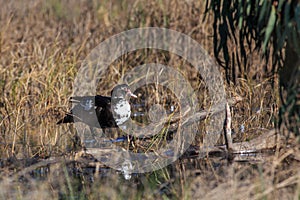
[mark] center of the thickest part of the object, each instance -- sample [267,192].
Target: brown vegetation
[42,45]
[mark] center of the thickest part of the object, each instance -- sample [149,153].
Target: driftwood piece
[267,140]
[227,129]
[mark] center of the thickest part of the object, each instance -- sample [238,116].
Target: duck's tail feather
[67,119]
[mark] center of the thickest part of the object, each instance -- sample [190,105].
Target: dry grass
[42,45]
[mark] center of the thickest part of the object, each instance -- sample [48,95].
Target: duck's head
[122,92]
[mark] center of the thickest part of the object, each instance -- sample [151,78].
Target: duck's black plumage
[101,111]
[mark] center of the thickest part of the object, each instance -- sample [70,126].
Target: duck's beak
[129,93]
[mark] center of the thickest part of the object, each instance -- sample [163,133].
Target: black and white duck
[101,111]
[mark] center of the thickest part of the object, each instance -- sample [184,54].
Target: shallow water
[189,176]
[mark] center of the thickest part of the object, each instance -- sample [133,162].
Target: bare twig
[227,129]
